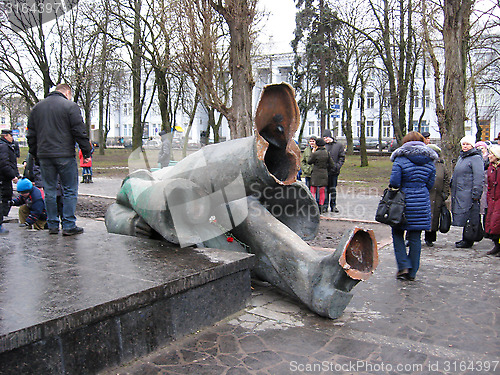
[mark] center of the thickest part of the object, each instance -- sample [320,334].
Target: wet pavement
[445,322]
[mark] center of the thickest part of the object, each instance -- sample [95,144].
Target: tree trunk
[455,37]
[362,120]
[239,15]
[137,129]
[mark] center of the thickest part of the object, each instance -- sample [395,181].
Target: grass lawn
[374,178]
[369,180]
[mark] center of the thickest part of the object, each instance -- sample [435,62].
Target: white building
[277,68]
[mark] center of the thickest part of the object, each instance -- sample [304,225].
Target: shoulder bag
[391,208]
[444,219]
[473,229]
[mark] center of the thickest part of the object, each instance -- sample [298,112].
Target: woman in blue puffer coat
[413,171]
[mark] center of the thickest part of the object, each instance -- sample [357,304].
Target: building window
[427,98]
[424,126]
[3,120]
[370,100]
[285,74]
[358,129]
[369,128]
[415,101]
[386,129]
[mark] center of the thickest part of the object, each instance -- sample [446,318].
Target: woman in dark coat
[466,185]
[321,161]
[438,195]
[413,172]
[492,224]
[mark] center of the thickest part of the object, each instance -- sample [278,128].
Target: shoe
[53,230]
[495,250]
[408,277]
[402,275]
[463,244]
[335,209]
[72,231]
[3,230]
[429,243]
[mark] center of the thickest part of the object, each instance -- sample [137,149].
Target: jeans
[67,170]
[410,260]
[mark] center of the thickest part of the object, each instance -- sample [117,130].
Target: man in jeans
[55,124]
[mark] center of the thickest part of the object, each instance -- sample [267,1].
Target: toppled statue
[242,195]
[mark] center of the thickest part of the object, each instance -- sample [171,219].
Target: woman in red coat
[492,225]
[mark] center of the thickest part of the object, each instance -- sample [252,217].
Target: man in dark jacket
[8,171]
[54,126]
[337,154]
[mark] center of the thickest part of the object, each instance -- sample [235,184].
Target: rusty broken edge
[278,100]
[359,257]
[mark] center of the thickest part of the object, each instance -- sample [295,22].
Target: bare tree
[239,16]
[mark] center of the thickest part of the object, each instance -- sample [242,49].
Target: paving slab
[445,322]
[93,300]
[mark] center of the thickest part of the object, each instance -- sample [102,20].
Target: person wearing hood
[413,172]
[466,185]
[337,154]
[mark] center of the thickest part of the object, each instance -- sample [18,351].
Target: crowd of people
[419,171]
[48,191]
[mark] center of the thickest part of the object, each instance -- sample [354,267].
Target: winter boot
[495,250]
[83,179]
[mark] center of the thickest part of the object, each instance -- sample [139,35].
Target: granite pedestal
[76,305]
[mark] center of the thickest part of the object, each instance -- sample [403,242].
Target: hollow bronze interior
[360,257]
[276,121]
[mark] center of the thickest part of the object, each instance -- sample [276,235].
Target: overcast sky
[277,31]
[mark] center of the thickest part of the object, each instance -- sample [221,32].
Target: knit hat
[481,144]
[435,148]
[24,185]
[327,133]
[320,142]
[495,150]
[468,139]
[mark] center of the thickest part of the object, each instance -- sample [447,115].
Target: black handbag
[473,229]
[444,219]
[391,208]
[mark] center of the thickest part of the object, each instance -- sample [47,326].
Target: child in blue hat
[32,212]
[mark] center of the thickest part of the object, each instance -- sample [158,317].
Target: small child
[86,167]
[32,206]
